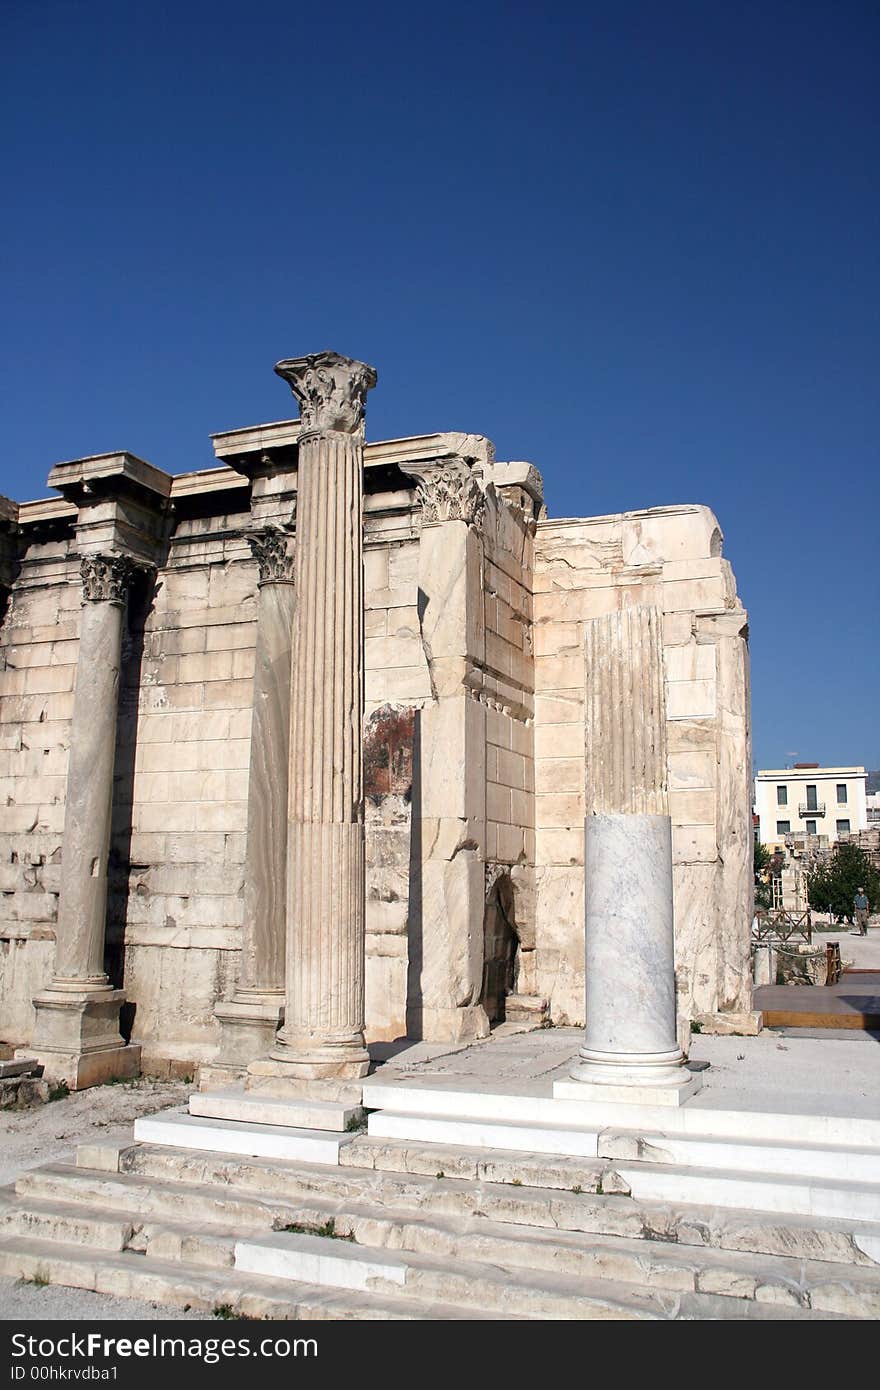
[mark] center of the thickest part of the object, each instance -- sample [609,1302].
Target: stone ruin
[297,750]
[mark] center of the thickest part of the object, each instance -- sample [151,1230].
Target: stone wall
[671,557]
[474,760]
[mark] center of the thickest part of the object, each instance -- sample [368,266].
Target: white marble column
[630,1050]
[76,1034]
[323,1033]
[248,1021]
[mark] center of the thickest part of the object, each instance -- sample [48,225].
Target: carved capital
[105,578]
[449,493]
[331,391]
[272,551]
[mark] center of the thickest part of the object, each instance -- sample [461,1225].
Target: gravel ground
[49,1134]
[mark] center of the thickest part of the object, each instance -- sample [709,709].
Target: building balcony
[811,811]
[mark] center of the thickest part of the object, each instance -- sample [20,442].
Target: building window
[843,827]
[841,793]
[782,796]
[811,827]
[783,827]
[812,800]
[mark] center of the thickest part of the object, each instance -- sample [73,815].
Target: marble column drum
[76,1035]
[630,1051]
[249,1020]
[323,1033]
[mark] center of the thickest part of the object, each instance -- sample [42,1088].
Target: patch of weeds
[328,1231]
[222,1310]
[37,1281]
[516,1182]
[356,1122]
[439,1175]
[696,1027]
[600,1189]
[59,1092]
[577,1189]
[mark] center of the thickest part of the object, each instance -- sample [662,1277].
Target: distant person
[860,903]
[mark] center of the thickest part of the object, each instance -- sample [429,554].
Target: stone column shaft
[446,950]
[630,1037]
[326,847]
[76,1035]
[263,940]
[82,906]
[323,1033]
[249,1020]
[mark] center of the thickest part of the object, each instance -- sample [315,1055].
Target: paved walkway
[853,1003]
[790,1075]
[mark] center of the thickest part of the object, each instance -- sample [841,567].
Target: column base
[77,1039]
[310,1058]
[269,1077]
[248,1024]
[658,1078]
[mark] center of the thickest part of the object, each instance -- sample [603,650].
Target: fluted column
[76,1034]
[630,1047]
[248,1021]
[323,1033]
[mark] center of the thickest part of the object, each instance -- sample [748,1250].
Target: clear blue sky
[636,243]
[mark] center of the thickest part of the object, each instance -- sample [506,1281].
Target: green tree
[763,861]
[833,884]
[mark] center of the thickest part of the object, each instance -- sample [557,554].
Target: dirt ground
[49,1134]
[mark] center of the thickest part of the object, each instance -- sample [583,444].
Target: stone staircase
[633,1224]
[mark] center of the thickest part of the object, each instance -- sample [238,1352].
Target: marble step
[670,1181]
[777,1194]
[516,1292]
[843,1164]
[699,1151]
[183,1131]
[484,1134]
[690,1219]
[154,1223]
[695,1118]
[166,1184]
[257,1108]
[131,1275]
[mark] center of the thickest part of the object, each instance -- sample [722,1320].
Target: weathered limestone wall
[669,557]
[37,672]
[181,777]
[508,542]
[474,741]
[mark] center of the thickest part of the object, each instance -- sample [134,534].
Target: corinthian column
[323,1033]
[76,1034]
[248,1021]
[630,1051]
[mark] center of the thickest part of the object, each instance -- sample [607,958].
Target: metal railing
[805,809]
[777,924]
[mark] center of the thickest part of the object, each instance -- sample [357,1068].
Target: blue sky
[635,243]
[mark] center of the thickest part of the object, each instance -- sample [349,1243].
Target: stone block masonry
[474,692]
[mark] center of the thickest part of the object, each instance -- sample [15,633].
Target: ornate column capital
[273,554]
[331,391]
[105,578]
[449,492]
